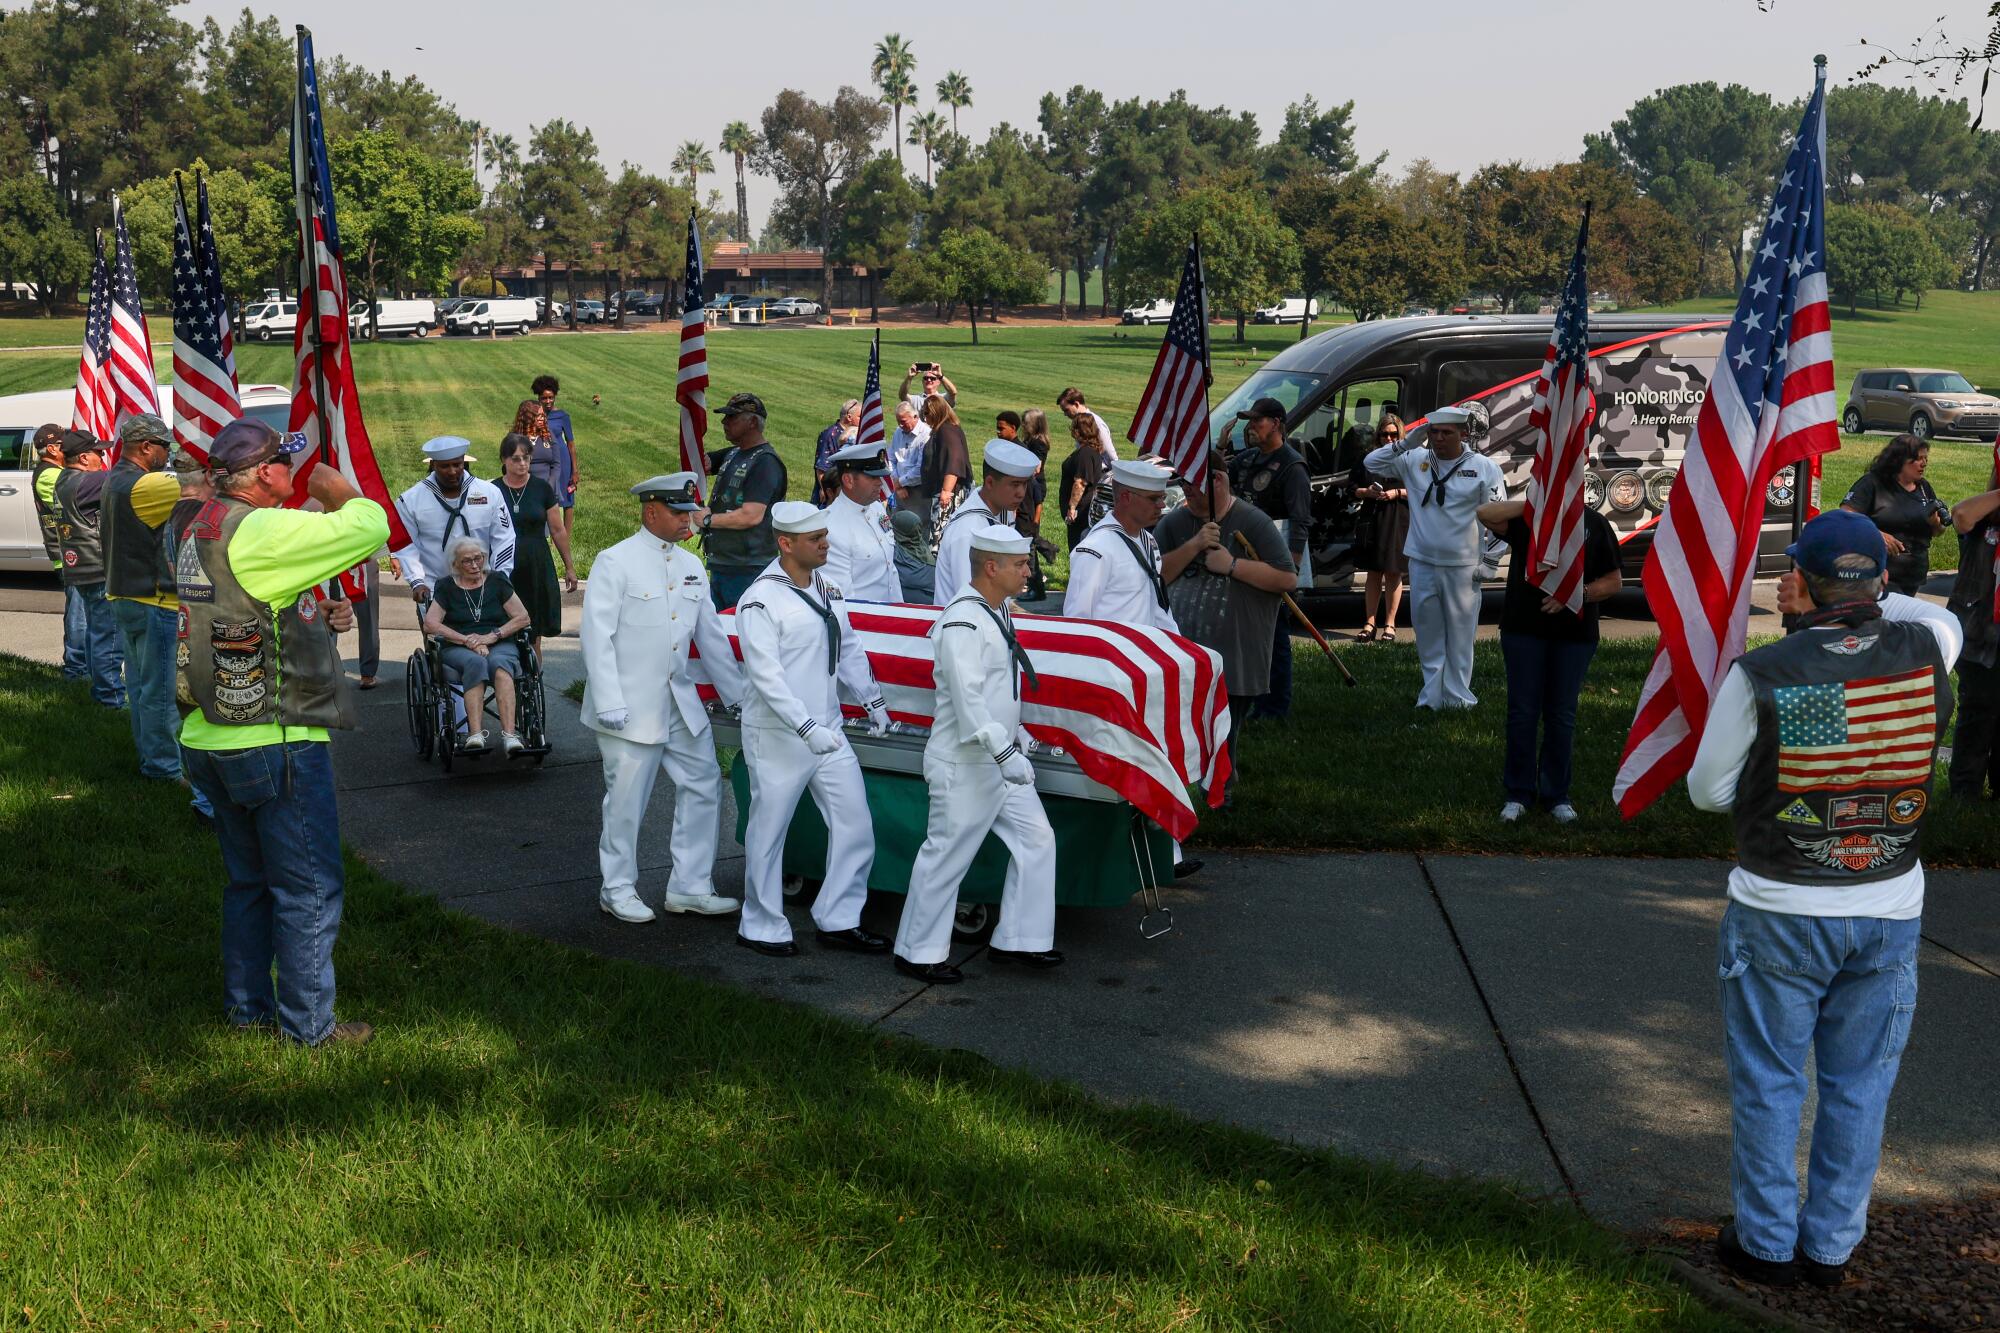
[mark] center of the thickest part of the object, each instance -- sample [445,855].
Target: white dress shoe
[626,907]
[1511,812]
[706,904]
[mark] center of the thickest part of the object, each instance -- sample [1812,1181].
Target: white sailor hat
[996,540]
[1141,474]
[1449,416]
[797,516]
[867,459]
[447,447]
[675,490]
[1010,459]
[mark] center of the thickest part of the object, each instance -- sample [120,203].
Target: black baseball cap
[76,442]
[246,442]
[740,403]
[1263,407]
[48,435]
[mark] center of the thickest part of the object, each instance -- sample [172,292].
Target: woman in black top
[531,500]
[1084,471]
[1379,538]
[1895,495]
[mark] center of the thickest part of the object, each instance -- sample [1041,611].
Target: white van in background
[1291,310]
[267,320]
[491,314]
[415,318]
[22,414]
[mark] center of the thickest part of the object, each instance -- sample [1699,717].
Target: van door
[1334,436]
[20,532]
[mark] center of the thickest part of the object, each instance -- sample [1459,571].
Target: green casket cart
[1107,853]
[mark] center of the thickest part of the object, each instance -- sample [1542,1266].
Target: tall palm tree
[503,155]
[926,132]
[476,134]
[955,91]
[740,141]
[693,159]
[894,70]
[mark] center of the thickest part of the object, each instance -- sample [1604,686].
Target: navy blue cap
[1837,533]
[246,442]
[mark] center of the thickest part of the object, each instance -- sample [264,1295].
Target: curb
[1728,1300]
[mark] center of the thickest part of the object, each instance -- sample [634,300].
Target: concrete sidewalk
[1548,1021]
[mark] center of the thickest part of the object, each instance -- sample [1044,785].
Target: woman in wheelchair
[475,617]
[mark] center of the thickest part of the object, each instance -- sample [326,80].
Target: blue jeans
[727,586]
[280,835]
[106,661]
[150,635]
[1544,678]
[1276,703]
[1844,988]
[76,637]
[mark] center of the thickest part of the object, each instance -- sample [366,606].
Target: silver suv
[1923,402]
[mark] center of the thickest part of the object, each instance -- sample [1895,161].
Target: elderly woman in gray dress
[475,616]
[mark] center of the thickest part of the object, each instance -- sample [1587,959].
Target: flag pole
[309,261]
[1207,375]
[1807,470]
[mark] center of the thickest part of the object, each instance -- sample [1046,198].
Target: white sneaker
[475,743]
[1564,813]
[511,743]
[703,904]
[1511,812]
[625,905]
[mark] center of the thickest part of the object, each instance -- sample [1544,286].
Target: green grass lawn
[1363,768]
[18,329]
[539,1138]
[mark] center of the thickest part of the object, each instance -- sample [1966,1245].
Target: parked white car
[1147,312]
[794,305]
[415,318]
[491,314]
[267,320]
[22,414]
[1291,310]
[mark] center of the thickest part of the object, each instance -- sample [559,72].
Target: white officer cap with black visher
[795,517]
[675,490]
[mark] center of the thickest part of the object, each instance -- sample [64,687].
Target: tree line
[119,94]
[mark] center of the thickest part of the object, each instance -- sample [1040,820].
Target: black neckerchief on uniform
[832,625]
[1440,474]
[452,515]
[1005,625]
[1152,575]
[1852,614]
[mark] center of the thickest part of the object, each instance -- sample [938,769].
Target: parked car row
[1926,403]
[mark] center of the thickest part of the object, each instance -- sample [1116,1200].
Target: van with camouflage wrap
[1650,374]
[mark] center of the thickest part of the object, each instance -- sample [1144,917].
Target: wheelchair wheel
[442,724]
[417,704]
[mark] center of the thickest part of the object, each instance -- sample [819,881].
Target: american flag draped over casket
[1143,712]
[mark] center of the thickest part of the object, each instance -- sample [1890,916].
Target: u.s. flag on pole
[205,392]
[691,383]
[1562,415]
[92,411]
[1172,420]
[128,364]
[871,431]
[325,405]
[1770,404]
[210,264]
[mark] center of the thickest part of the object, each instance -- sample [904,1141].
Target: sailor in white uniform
[646,600]
[861,544]
[980,780]
[450,503]
[1008,467]
[797,644]
[1447,483]
[1114,572]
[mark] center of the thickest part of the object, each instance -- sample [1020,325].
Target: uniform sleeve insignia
[1085,550]
[1856,852]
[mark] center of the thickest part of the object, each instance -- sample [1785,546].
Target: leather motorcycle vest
[134,564]
[78,531]
[737,548]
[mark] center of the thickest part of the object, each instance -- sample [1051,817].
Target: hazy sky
[1463,83]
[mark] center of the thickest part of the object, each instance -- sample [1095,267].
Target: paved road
[1548,1021]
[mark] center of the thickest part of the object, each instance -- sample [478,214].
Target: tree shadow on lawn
[645,1100]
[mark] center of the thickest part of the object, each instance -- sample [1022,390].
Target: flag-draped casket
[1143,712]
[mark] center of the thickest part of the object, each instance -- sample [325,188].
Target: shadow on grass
[606,1141]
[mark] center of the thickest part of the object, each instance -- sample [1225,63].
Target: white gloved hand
[878,720]
[1016,769]
[823,740]
[615,718]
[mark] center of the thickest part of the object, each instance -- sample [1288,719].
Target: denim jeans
[106,658]
[280,835]
[1845,989]
[1276,702]
[76,637]
[149,635]
[1544,678]
[727,586]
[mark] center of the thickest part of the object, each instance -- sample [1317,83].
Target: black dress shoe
[1748,1266]
[786,949]
[935,974]
[1187,869]
[853,939]
[1026,957]
[1817,1273]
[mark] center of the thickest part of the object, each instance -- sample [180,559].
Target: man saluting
[980,780]
[797,645]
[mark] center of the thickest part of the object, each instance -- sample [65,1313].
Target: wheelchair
[436,707]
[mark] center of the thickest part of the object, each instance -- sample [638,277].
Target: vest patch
[191,581]
[238,649]
[1908,807]
[1798,812]
[307,607]
[1858,852]
[1849,645]
[1851,812]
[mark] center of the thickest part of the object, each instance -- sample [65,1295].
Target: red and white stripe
[128,365]
[1704,554]
[205,399]
[91,411]
[871,429]
[1143,712]
[1562,415]
[1172,420]
[691,392]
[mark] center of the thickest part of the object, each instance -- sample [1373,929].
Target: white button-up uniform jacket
[954,556]
[1106,583]
[861,551]
[645,602]
[785,651]
[435,522]
[1445,530]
